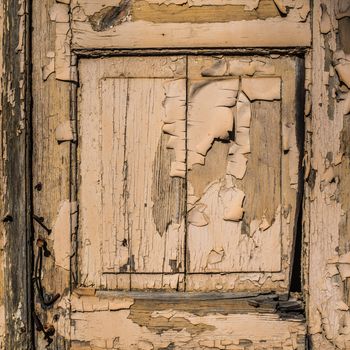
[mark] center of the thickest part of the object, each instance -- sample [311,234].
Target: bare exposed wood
[16,176]
[151,12]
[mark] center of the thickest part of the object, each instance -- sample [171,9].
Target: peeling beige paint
[237,162]
[93,321]
[343,68]
[197,216]
[250,67]
[262,88]
[61,232]
[64,132]
[58,13]
[171,328]
[329,260]
[210,116]
[65,67]
[233,201]
[122,245]
[175,124]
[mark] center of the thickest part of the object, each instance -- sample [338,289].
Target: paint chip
[210,116]
[267,89]
[281,7]
[197,216]
[343,70]
[237,162]
[61,235]
[64,132]
[218,69]
[175,123]
[264,225]
[59,14]
[215,256]
[233,203]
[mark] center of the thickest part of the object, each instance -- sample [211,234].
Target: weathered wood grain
[181,13]
[96,323]
[15,174]
[123,159]
[261,167]
[109,25]
[254,33]
[327,194]
[51,164]
[2,199]
[182,324]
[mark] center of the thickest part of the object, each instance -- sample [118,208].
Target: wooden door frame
[16,173]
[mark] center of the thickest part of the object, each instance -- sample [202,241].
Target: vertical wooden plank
[16,147]
[221,245]
[243,166]
[151,249]
[90,174]
[2,199]
[51,167]
[327,194]
[115,252]
[132,220]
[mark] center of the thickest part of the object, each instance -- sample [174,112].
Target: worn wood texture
[85,319]
[128,231]
[327,195]
[163,13]
[51,159]
[15,175]
[2,200]
[233,226]
[182,323]
[108,26]
[126,223]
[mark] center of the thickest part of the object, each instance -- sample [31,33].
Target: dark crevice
[296,278]
[296,273]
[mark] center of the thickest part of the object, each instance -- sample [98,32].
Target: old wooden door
[184,179]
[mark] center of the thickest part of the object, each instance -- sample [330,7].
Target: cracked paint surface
[93,322]
[205,141]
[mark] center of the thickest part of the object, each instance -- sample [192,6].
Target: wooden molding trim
[255,33]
